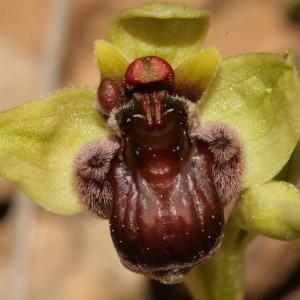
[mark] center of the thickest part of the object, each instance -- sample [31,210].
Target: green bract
[272,209]
[39,141]
[259,95]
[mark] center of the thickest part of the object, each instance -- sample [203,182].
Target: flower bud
[271,209]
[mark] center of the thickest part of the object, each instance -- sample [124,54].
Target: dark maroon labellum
[164,188]
[166,215]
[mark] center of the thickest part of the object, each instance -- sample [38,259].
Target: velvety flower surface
[170,137]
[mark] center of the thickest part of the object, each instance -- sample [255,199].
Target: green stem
[221,278]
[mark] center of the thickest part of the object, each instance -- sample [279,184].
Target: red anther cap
[146,70]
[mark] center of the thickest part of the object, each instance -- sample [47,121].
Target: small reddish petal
[146,70]
[228,157]
[95,196]
[94,159]
[91,167]
[110,95]
[228,179]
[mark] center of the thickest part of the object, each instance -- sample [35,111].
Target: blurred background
[45,45]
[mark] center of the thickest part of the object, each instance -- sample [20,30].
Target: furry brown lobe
[89,176]
[228,155]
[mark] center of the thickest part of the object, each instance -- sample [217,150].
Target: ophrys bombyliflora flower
[161,152]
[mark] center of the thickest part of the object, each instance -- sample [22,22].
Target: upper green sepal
[271,209]
[258,95]
[38,143]
[171,31]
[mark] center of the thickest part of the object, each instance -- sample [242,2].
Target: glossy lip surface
[161,227]
[166,215]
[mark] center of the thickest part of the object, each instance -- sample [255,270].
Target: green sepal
[271,209]
[39,141]
[171,31]
[258,95]
[111,62]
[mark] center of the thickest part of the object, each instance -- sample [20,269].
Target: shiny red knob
[110,95]
[149,69]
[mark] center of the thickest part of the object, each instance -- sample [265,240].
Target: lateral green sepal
[258,95]
[39,141]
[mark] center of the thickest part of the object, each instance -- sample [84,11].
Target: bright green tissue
[171,31]
[111,62]
[38,143]
[258,95]
[271,209]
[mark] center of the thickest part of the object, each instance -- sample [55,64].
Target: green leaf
[258,95]
[171,31]
[271,209]
[111,62]
[39,141]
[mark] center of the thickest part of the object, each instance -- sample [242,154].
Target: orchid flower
[172,134]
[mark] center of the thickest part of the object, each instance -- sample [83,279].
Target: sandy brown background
[72,258]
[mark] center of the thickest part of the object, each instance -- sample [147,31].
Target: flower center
[166,211]
[163,194]
[153,122]
[154,132]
